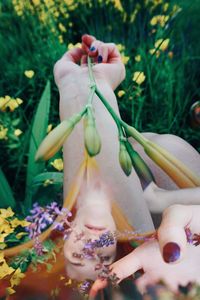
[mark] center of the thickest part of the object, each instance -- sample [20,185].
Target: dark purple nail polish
[100,58]
[92,48]
[171,252]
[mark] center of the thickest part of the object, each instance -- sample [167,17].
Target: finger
[97,286]
[171,233]
[74,55]
[87,41]
[144,281]
[83,60]
[127,265]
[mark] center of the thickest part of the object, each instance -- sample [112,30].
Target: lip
[95,228]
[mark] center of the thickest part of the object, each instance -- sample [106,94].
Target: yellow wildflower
[3,246]
[162,44]
[29,73]
[36,2]
[125,59]
[118,5]
[120,48]
[9,102]
[121,93]
[62,27]
[17,132]
[2,237]
[16,222]
[154,52]
[10,291]
[165,7]
[16,277]
[139,77]
[72,46]
[58,164]
[3,133]
[5,227]
[159,20]
[6,213]
[2,259]
[138,58]
[5,270]
[60,38]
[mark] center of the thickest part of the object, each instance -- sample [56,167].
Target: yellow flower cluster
[72,46]
[8,225]
[5,271]
[121,49]
[160,45]
[159,20]
[8,102]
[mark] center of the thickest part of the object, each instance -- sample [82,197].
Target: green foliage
[6,194]
[38,132]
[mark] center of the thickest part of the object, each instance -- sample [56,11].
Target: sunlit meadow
[159,44]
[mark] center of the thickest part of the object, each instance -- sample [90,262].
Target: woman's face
[88,247]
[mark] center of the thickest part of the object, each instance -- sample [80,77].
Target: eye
[105,258]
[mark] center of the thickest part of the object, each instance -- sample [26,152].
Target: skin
[72,82]
[93,203]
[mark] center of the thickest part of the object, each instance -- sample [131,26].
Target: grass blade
[6,195]
[38,132]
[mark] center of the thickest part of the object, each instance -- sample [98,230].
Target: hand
[170,258]
[109,66]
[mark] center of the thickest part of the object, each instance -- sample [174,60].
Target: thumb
[171,233]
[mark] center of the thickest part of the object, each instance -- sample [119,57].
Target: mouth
[95,228]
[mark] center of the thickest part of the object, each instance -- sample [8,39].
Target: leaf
[6,195]
[38,132]
[54,177]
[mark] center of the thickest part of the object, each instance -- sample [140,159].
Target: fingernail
[92,48]
[171,252]
[100,58]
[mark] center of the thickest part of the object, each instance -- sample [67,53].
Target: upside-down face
[90,244]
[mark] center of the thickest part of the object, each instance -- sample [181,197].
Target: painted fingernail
[100,58]
[92,48]
[171,252]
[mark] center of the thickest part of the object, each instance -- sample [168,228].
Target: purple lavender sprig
[42,217]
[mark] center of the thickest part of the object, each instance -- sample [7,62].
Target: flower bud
[91,136]
[180,174]
[144,173]
[124,159]
[56,138]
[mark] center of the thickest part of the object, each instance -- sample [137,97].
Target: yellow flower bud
[179,173]
[124,159]
[56,138]
[91,136]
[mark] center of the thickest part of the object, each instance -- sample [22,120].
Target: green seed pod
[91,136]
[56,138]
[124,159]
[144,173]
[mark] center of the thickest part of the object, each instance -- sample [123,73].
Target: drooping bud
[144,173]
[124,159]
[91,136]
[177,170]
[56,138]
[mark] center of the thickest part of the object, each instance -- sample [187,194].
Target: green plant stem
[120,124]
